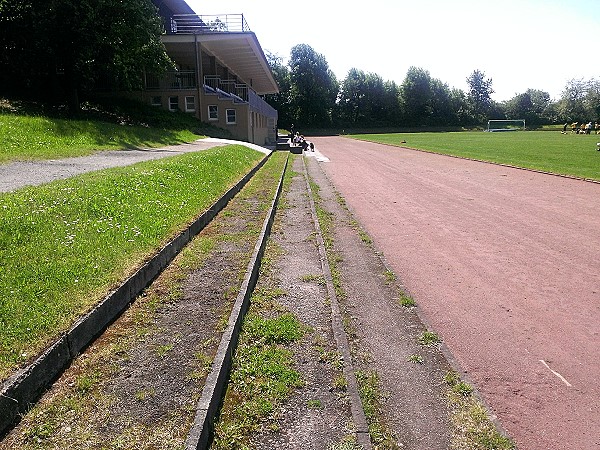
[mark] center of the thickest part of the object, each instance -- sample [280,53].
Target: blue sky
[539,44]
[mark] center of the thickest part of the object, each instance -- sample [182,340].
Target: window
[213,112]
[190,103]
[231,117]
[156,101]
[173,103]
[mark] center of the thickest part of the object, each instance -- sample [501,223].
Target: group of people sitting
[583,128]
[298,139]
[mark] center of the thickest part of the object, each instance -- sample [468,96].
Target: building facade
[221,73]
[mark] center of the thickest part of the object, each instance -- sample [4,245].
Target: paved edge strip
[213,392]
[443,347]
[358,415]
[24,388]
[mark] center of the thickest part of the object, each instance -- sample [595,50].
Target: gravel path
[504,263]
[19,174]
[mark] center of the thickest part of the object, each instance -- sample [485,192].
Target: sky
[519,44]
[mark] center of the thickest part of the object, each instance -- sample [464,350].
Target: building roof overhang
[238,51]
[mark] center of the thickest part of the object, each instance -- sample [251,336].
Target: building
[221,73]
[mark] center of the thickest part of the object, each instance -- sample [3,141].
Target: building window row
[190,106]
[173,102]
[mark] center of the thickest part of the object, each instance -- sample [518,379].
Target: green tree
[314,87]
[280,101]
[532,105]
[67,47]
[391,103]
[426,100]
[441,104]
[366,100]
[351,99]
[591,101]
[416,96]
[571,106]
[479,95]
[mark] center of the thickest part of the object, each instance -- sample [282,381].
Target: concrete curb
[207,407]
[23,389]
[358,415]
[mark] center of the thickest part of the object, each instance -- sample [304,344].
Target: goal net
[506,125]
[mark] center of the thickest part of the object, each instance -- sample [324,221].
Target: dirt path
[504,263]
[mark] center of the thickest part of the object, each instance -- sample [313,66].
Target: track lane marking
[555,373]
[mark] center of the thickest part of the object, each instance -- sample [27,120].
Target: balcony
[226,89]
[172,81]
[201,24]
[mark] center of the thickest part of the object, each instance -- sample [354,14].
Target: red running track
[505,266]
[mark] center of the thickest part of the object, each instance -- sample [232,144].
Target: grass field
[65,244]
[568,154]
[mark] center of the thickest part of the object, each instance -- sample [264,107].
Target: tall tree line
[311,96]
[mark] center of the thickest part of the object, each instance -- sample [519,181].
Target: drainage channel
[26,387]
[23,389]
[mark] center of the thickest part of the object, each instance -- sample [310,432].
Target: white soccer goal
[506,125]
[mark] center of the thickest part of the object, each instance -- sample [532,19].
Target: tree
[532,105]
[391,103]
[592,99]
[415,95]
[479,95]
[352,96]
[280,101]
[571,106]
[314,87]
[426,100]
[441,104]
[68,46]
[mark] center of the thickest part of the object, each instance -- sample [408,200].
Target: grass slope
[567,154]
[30,131]
[64,244]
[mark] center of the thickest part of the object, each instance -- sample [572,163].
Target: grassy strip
[370,396]
[79,412]
[368,382]
[473,429]
[65,244]
[262,375]
[568,154]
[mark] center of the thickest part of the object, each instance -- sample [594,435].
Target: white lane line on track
[555,373]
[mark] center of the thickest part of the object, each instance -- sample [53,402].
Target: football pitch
[548,151]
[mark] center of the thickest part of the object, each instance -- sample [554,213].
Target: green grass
[429,338]
[262,377]
[30,131]
[30,138]
[473,428]
[371,397]
[65,244]
[568,154]
[86,405]
[406,300]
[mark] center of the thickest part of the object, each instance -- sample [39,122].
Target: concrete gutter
[23,389]
[361,428]
[214,389]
